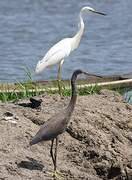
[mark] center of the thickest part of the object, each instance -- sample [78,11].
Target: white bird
[63,48]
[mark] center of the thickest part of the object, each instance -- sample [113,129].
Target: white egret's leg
[59,77]
[59,70]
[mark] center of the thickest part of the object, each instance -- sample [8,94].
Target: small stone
[129,173]
[129,125]
[108,155]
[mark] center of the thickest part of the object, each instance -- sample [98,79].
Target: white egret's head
[39,67]
[89,9]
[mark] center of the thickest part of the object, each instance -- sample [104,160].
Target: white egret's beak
[97,12]
[100,13]
[87,9]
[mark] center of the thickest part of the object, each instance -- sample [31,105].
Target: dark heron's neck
[74,92]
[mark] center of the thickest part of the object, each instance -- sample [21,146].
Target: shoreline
[105,82]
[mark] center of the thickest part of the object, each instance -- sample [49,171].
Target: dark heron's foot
[57,175]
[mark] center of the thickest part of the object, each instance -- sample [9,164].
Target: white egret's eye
[40,62]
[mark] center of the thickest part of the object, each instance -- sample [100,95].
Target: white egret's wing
[58,52]
[55,54]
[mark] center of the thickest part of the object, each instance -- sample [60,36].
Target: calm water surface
[29,28]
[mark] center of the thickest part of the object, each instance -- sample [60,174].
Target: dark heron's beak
[89,74]
[100,13]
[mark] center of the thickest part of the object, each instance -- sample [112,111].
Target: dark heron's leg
[54,159]
[55,155]
[59,174]
[51,152]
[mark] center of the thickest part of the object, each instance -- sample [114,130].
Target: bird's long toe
[57,175]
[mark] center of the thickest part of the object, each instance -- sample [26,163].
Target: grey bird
[57,124]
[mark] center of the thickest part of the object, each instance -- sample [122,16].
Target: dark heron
[57,124]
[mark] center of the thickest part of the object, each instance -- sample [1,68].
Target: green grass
[83,91]
[89,90]
[120,90]
[29,89]
[21,90]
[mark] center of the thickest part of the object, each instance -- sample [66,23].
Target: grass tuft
[28,88]
[21,90]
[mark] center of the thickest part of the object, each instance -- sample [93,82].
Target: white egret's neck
[76,39]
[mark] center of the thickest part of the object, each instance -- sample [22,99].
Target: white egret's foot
[57,175]
[61,87]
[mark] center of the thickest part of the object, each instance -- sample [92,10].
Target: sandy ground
[97,144]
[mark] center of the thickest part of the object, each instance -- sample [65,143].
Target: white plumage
[63,48]
[55,54]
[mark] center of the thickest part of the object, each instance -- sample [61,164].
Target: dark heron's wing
[51,128]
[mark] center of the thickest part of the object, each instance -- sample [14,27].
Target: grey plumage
[57,124]
[52,127]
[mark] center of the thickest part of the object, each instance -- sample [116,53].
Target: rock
[35,103]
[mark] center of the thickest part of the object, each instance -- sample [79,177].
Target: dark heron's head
[79,71]
[75,74]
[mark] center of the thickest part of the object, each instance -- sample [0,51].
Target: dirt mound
[97,144]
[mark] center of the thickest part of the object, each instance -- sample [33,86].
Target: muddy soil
[97,144]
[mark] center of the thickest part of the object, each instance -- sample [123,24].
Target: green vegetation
[27,92]
[120,90]
[89,90]
[28,88]
[19,90]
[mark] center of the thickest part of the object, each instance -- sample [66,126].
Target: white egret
[63,48]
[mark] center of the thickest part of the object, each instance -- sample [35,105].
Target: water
[29,28]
